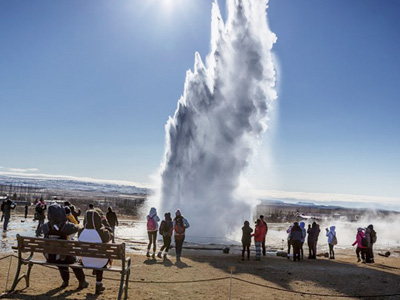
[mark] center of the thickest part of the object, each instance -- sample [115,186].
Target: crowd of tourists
[99,227]
[297,235]
[166,229]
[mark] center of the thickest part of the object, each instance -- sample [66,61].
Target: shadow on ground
[307,276]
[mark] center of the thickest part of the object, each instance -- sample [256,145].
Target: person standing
[296,236]
[152,228]
[259,234]
[246,239]
[40,210]
[361,244]
[332,241]
[371,240]
[112,220]
[26,211]
[313,233]
[304,233]
[264,251]
[6,206]
[288,240]
[166,229]
[180,225]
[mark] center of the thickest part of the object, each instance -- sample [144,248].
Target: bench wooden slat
[72,248]
[74,265]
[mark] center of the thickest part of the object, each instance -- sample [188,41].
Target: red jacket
[259,232]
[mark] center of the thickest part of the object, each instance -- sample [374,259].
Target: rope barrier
[7,256]
[237,279]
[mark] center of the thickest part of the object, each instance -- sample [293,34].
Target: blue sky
[86,88]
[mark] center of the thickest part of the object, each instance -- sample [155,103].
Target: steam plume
[219,119]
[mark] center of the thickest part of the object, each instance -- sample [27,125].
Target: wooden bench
[32,245]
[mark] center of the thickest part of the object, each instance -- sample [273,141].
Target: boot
[159,254]
[165,255]
[148,254]
[83,284]
[100,288]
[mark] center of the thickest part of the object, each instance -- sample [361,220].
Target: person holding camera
[332,240]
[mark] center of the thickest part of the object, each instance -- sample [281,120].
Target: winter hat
[178,213]
[360,229]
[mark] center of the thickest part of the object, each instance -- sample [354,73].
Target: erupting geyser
[219,120]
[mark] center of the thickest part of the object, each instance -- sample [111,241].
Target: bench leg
[121,285]
[126,284]
[16,278]
[28,274]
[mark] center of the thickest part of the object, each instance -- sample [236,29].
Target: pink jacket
[359,237]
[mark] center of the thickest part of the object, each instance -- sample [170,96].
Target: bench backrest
[70,248]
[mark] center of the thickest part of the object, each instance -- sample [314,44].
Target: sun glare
[170,5]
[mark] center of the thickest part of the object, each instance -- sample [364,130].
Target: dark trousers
[296,250]
[99,275]
[246,247]
[311,250]
[178,245]
[331,252]
[152,240]
[301,250]
[263,247]
[288,246]
[368,252]
[113,234]
[6,220]
[39,227]
[64,272]
[167,243]
[362,251]
[371,252]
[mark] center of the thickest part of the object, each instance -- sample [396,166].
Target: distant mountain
[306,203]
[71,185]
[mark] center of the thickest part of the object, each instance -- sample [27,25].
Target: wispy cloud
[19,170]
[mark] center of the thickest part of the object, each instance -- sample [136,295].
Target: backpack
[179,227]
[166,228]
[151,224]
[334,240]
[364,241]
[56,215]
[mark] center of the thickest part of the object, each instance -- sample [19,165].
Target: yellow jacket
[72,219]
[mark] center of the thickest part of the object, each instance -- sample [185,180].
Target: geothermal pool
[133,234]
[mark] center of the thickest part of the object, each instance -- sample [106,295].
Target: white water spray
[219,121]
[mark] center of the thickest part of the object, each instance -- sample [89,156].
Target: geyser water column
[218,122]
